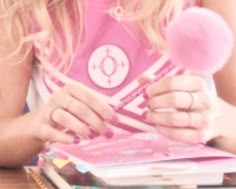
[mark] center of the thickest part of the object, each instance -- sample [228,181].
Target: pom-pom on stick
[199,40]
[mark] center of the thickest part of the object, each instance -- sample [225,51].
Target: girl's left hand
[183,109]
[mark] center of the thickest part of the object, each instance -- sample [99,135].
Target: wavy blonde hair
[17,17]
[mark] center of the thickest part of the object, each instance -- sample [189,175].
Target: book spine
[135,187]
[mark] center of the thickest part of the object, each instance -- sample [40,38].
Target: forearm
[18,143]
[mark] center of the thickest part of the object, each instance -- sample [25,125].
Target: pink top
[109,61]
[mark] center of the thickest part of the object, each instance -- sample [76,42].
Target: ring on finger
[63,108]
[192,101]
[51,120]
[189,119]
[69,104]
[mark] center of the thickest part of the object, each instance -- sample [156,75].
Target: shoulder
[225,8]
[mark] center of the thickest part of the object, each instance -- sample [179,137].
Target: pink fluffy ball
[199,40]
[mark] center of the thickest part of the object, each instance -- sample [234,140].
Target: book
[144,159]
[134,148]
[68,177]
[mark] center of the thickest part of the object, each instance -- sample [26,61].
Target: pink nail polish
[144,115]
[109,134]
[149,107]
[93,134]
[76,140]
[113,119]
[145,96]
[145,118]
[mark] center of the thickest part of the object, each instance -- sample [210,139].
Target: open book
[146,159]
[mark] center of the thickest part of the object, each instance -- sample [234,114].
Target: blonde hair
[147,17]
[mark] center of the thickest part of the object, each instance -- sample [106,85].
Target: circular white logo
[108,66]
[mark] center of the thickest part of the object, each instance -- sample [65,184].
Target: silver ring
[68,104]
[189,119]
[66,108]
[51,120]
[191,102]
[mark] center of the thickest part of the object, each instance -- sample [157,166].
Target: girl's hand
[75,109]
[182,109]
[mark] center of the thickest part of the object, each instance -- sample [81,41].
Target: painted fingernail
[148,106]
[145,96]
[146,119]
[144,115]
[93,134]
[113,119]
[76,140]
[109,134]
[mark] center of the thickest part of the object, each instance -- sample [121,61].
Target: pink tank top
[109,61]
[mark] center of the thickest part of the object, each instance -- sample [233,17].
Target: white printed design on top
[108,66]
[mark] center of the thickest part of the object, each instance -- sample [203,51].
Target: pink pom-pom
[199,40]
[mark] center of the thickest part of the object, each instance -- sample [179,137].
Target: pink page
[136,148]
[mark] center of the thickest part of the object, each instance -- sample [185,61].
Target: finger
[96,103]
[62,117]
[179,119]
[144,79]
[50,133]
[87,115]
[181,100]
[59,99]
[176,83]
[188,135]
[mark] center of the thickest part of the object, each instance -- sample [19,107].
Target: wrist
[224,126]
[34,125]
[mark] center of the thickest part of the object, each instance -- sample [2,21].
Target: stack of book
[135,160]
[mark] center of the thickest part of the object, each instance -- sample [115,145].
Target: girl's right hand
[74,108]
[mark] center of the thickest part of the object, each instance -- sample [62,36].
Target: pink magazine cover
[136,148]
[129,102]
